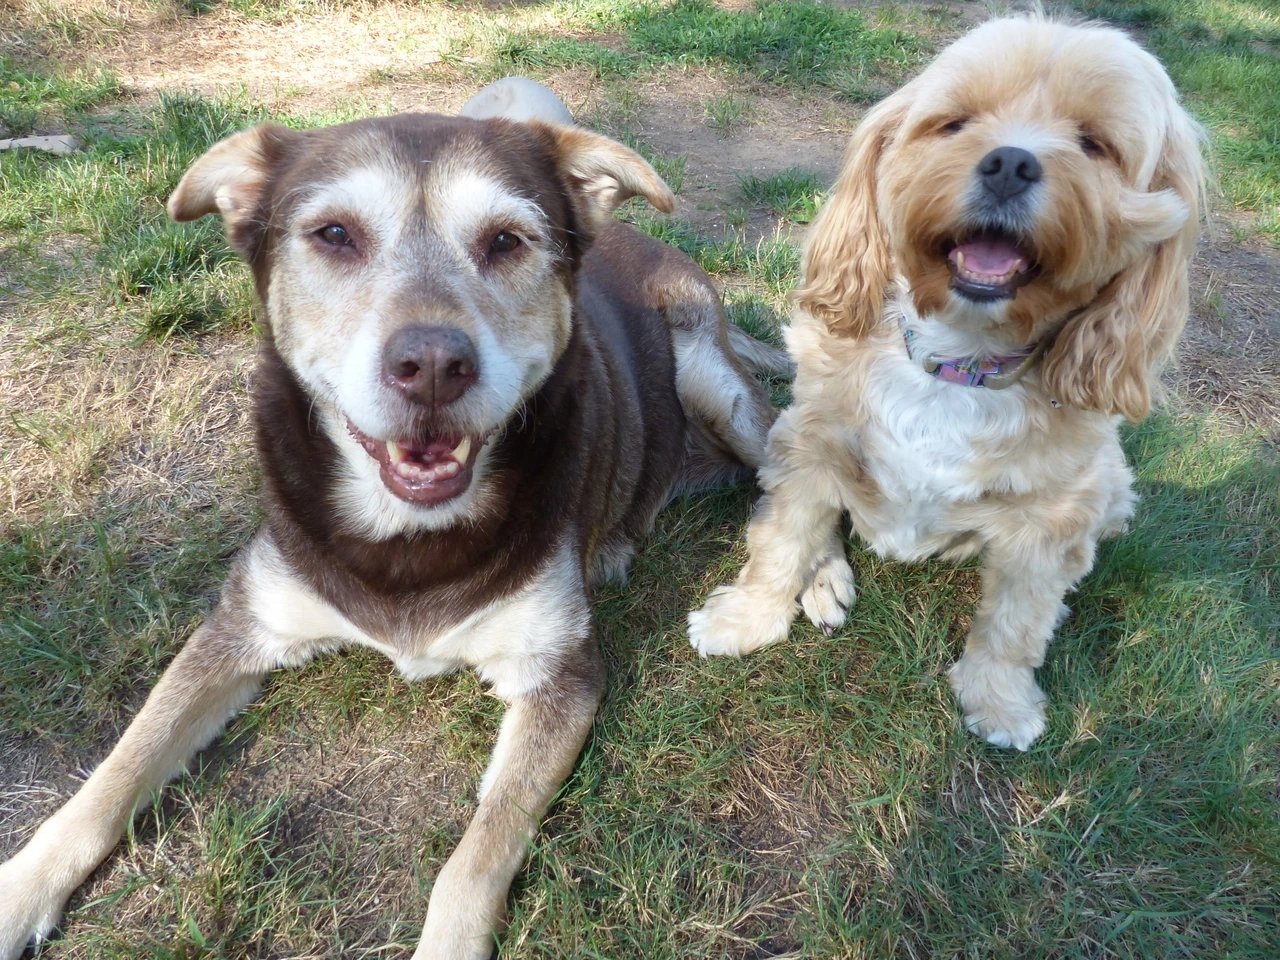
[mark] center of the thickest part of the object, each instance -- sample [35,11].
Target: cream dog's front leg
[793,547]
[1024,579]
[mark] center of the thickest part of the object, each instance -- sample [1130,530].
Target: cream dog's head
[1036,173]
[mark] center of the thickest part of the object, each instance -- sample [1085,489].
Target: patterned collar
[993,372]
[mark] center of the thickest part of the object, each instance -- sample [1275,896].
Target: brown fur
[562,480]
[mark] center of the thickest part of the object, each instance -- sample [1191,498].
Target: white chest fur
[933,456]
[513,642]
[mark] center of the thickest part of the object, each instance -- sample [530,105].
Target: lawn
[816,800]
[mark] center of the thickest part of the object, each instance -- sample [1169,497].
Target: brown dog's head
[1035,171]
[416,273]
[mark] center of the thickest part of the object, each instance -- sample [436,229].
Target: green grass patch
[797,43]
[794,194]
[163,278]
[726,112]
[31,99]
[1225,59]
[518,53]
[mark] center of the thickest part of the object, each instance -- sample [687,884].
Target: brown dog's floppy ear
[846,264]
[1108,358]
[607,173]
[229,179]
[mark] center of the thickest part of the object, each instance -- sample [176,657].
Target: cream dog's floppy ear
[606,173]
[229,180]
[847,264]
[1108,357]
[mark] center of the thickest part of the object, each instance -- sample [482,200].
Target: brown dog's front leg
[541,737]
[209,681]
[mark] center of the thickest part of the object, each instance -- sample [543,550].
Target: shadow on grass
[820,798]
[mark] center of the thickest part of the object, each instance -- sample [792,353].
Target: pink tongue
[430,452]
[992,257]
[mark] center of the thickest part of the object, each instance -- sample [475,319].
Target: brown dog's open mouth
[424,472]
[990,266]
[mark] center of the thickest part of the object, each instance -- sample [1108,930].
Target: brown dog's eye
[335,234]
[955,126]
[503,242]
[1091,146]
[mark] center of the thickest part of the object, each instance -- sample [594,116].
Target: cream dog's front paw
[830,594]
[736,621]
[1002,703]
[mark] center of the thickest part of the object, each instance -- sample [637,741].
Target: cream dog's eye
[336,235]
[1092,146]
[955,126]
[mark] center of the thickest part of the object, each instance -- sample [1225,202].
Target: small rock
[61,145]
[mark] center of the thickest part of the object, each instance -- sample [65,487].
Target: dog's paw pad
[829,595]
[735,622]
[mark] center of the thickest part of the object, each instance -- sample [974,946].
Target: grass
[794,194]
[1224,59]
[793,43]
[726,112]
[32,99]
[112,196]
[796,43]
[816,800]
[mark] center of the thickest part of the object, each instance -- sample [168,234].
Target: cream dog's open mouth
[990,266]
[423,470]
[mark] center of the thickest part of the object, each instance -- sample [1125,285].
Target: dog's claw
[830,594]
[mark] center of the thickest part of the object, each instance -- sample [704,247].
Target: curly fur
[1030,476]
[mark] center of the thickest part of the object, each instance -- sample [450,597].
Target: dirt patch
[1229,359]
[780,130]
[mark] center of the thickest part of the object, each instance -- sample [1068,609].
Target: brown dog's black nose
[1007,171]
[430,365]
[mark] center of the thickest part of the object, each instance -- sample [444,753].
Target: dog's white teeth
[986,278]
[462,450]
[960,260]
[394,451]
[418,473]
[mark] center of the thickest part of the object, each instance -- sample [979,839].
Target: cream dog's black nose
[430,365]
[1007,171]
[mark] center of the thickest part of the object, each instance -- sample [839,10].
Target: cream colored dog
[997,278]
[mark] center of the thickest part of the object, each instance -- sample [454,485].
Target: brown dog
[477,391]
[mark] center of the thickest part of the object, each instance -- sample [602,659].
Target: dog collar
[993,372]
